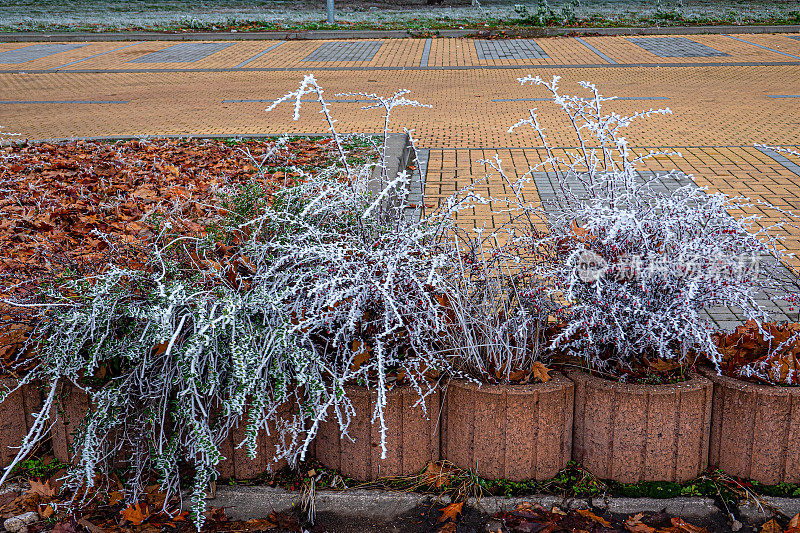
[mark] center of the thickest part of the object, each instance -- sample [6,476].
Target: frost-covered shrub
[170,362]
[639,264]
[364,284]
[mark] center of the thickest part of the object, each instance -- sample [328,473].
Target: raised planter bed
[635,432]
[412,437]
[755,430]
[516,432]
[16,417]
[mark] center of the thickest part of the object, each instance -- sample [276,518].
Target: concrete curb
[386,34]
[245,503]
[786,507]
[682,507]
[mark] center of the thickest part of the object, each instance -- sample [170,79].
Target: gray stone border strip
[95,55]
[26,102]
[785,162]
[425,53]
[377,69]
[550,99]
[762,46]
[783,96]
[261,53]
[388,34]
[596,51]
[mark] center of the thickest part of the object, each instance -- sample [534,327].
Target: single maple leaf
[451,512]
[135,513]
[42,489]
[540,372]
[586,513]
[634,524]
[771,527]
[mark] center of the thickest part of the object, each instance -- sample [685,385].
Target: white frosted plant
[365,286]
[170,363]
[639,264]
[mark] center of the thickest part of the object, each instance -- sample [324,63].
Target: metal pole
[330,11]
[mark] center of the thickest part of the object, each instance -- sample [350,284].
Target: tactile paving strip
[510,49]
[345,51]
[182,53]
[675,47]
[36,51]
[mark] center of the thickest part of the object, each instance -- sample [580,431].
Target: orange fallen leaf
[794,524]
[42,489]
[451,512]
[540,372]
[114,497]
[679,526]
[586,513]
[634,524]
[771,527]
[135,513]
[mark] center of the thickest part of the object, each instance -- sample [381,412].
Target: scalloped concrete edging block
[16,417]
[516,432]
[71,406]
[755,430]
[635,432]
[238,465]
[412,436]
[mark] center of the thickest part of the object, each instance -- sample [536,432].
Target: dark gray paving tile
[36,51]
[182,53]
[509,49]
[675,47]
[345,51]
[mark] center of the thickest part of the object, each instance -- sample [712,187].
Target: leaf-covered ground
[71,199]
